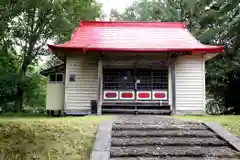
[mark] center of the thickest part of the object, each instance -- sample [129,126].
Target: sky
[120,5]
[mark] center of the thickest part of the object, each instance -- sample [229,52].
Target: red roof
[134,36]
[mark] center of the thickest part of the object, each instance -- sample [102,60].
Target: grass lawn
[42,138]
[232,123]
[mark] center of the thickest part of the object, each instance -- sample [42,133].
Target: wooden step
[163,133]
[172,151]
[170,141]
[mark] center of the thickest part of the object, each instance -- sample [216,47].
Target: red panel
[127,95]
[121,36]
[159,95]
[144,95]
[111,95]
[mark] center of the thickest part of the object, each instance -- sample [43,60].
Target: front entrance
[141,85]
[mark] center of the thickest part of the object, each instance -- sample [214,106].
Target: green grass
[42,138]
[232,123]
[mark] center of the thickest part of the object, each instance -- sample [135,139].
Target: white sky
[120,5]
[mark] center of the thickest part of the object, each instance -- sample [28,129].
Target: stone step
[129,126]
[163,133]
[170,151]
[144,120]
[143,111]
[173,158]
[179,141]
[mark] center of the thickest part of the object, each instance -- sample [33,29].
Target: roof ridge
[134,24]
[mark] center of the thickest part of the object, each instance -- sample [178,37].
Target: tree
[8,80]
[51,62]
[221,25]
[28,25]
[187,11]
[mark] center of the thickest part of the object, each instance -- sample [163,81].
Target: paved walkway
[149,137]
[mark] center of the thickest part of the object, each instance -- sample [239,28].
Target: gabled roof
[134,36]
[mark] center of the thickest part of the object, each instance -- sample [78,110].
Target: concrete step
[172,151]
[129,126]
[163,133]
[168,141]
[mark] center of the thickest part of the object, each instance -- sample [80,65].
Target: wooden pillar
[100,87]
[173,63]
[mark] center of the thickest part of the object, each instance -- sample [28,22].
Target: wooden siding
[190,84]
[79,93]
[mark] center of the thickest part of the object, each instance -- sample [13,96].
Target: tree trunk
[19,100]
[20,91]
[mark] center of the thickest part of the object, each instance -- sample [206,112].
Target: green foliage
[34,86]
[26,27]
[35,93]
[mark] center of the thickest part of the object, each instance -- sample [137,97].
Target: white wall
[78,94]
[190,84]
[55,96]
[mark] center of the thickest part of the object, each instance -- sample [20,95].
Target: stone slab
[100,155]
[102,144]
[167,141]
[163,133]
[173,151]
[184,126]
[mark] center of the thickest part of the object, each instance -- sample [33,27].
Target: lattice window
[150,79]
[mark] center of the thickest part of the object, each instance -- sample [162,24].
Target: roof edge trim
[212,49]
[133,23]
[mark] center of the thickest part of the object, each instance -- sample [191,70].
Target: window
[52,78]
[58,77]
[150,79]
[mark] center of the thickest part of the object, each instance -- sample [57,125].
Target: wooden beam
[173,61]
[100,86]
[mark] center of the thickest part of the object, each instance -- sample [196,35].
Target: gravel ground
[151,137]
